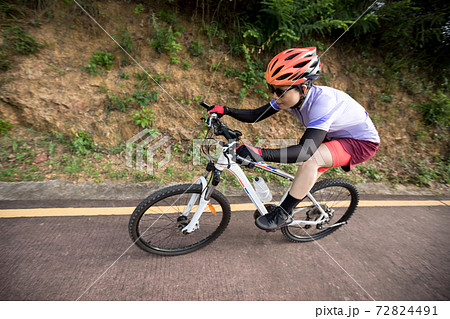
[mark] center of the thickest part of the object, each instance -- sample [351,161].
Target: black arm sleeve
[309,143]
[251,116]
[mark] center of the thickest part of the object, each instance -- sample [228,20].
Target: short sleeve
[324,112]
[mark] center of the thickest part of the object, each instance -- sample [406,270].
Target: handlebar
[205,105]
[219,127]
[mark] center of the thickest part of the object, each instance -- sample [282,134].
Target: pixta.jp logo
[145,151]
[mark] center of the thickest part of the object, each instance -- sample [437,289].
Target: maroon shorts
[348,152]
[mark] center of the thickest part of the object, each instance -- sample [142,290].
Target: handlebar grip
[205,105]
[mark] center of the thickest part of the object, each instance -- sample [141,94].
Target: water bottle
[262,190]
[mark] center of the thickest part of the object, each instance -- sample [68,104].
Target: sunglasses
[280,92]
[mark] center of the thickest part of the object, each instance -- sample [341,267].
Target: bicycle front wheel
[338,197]
[157,222]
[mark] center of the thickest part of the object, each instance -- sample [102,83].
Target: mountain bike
[183,218]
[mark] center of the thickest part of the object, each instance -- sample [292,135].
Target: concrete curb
[57,189]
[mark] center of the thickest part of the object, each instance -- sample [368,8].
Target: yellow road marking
[99,211]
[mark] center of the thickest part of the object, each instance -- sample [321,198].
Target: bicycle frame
[226,162]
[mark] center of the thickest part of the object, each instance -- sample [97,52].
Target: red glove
[219,110]
[250,153]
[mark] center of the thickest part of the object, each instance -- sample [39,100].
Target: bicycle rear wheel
[338,197]
[156,224]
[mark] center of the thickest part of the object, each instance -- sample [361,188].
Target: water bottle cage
[262,190]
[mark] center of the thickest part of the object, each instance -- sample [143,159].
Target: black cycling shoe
[274,220]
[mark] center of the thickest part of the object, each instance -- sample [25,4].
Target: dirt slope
[49,90]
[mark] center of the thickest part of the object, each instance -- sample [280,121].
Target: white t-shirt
[337,113]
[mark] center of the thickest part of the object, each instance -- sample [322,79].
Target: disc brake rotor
[314,214]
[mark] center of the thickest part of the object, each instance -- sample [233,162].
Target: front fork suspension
[204,198]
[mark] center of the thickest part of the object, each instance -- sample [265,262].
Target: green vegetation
[10,11]
[165,39]
[123,102]
[436,111]
[5,126]
[143,117]
[398,46]
[16,40]
[144,98]
[254,74]
[125,41]
[186,65]
[192,100]
[32,156]
[99,61]
[19,40]
[139,8]
[145,80]
[5,63]
[82,144]
[117,103]
[196,48]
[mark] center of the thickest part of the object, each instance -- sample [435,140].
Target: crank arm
[335,225]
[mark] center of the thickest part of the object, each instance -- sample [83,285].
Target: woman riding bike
[339,132]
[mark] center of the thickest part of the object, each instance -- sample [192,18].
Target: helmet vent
[296,76]
[273,64]
[314,64]
[302,64]
[284,76]
[291,56]
[277,70]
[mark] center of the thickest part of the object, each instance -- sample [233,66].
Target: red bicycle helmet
[293,67]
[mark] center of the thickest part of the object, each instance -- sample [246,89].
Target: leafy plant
[255,71]
[125,41]
[139,8]
[5,126]
[284,22]
[170,17]
[165,40]
[82,144]
[115,102]
[253,75]
[186,65]
[4,60]
[10,11]
[437,110]
[196,48]
[371,172]
[20,40]
[231,72]
[423,173]
[99,61]
[384,97]
[143,117]
[145,97]
[191,99]
[145,80]
[160,77]
[174,59]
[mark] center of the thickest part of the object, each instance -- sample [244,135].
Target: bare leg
[307,173]
[304,180]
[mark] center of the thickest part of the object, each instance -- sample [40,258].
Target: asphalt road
[384,253]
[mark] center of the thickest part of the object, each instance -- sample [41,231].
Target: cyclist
[338,132]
